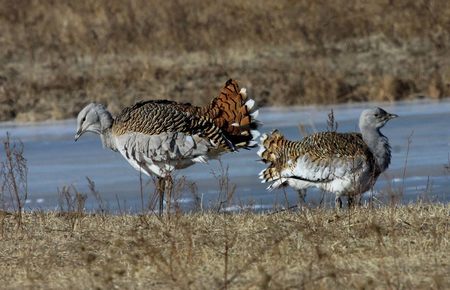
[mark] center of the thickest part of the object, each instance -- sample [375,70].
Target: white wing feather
[160,154]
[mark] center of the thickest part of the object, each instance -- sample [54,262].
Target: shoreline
[271,109]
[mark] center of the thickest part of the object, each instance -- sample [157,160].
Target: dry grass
[402,247]
[56,56]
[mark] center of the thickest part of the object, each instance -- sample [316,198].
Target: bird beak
[392,116]
[78,135]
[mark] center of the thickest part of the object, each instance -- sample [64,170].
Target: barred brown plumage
[343,163]
[319,147]
[158,136]
[155,117]
[232,112]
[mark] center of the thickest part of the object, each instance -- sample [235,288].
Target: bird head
[93,118]
[375,118]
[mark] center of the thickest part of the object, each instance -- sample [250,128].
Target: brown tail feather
[271,147]
[271,151]
[271,173]
[235,115]
[213,133]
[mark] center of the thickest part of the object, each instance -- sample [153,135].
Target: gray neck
[378,145]
[106,122]
[107,140]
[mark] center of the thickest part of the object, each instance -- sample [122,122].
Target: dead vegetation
[374,247]
[403,247]
[13,177]
[57,56]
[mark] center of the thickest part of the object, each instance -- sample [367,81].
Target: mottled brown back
[326,145]
[230,113]
[158,116]
[227,120]
[323,146]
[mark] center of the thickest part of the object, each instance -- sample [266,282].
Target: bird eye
[84,119]
[377,115]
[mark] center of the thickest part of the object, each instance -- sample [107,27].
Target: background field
[56,56]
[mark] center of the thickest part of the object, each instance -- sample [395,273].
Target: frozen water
[55,160]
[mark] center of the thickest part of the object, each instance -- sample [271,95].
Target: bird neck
[379,146]
[106,122]
[108,140]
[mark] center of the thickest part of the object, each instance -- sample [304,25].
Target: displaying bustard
[158,136]
[342,163]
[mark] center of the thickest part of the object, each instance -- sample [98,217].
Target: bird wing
[233,112]
[322,157]
[160,116]
[162,153]
[152,117]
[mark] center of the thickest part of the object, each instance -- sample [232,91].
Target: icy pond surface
[420,172]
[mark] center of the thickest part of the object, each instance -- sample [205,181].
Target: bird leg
[302,197]
[354,200]
[358,199]
[350,201]
[161,188]
[338,202]
[169,188]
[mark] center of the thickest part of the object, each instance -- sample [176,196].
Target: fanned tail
[270,147]
[210,130]
[235,114]
[270,151]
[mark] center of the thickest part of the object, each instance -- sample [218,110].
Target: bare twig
[406,162]
[97,195]
[332,125]
[14,173]
[226,188]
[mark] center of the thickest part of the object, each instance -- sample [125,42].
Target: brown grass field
[56,56]
[395,247]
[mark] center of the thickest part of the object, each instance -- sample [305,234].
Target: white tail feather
[261,146]
[261,151]
[200,159]
[255,134]
[276,184]
[243,92]
[252,143]
[255,114]
[263,138]
[261,176]
[249,104]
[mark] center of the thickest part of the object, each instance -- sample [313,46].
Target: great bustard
[342,163]
[158,136]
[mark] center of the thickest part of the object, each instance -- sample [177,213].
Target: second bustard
[342,163]
[158,136]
